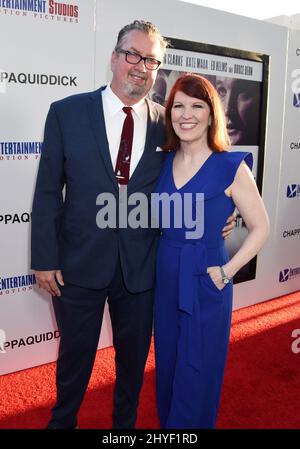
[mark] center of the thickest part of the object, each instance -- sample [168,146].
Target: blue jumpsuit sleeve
[235,158]
[228,166]
[221,174]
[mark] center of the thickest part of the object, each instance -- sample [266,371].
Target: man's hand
[47,281]
[226,231]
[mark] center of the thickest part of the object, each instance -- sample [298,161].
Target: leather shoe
[52,427]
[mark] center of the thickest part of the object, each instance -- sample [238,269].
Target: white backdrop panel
[38,44]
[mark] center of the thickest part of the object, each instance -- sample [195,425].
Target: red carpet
[261,388]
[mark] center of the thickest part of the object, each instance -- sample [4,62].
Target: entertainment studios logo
[293,190]
[20,151]
[17,284]
[41,10]
[289,274]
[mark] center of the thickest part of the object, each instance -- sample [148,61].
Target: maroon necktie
[124,154]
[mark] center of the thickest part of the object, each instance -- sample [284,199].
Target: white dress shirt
[114,118]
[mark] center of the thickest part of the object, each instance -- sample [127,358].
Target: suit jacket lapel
[96,114]
[151,123]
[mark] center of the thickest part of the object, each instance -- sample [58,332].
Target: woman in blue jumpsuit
[193,302]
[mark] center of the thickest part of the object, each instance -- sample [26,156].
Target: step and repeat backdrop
[53,49]
[288,214]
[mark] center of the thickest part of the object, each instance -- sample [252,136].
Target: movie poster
[240,78]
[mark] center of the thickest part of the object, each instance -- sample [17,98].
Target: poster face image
[240,79]
[241,101]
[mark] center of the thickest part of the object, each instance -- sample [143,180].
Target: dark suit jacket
[75,155]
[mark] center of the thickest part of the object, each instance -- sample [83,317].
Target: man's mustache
[139,74]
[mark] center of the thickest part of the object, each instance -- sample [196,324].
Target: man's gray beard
[135,91]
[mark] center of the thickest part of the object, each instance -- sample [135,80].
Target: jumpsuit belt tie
[192,267]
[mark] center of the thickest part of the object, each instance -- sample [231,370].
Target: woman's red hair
[197,86]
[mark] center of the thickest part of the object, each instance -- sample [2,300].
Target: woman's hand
[216,277]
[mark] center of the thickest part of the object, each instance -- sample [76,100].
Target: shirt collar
[115,105]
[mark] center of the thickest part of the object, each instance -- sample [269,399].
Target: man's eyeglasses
[134,58]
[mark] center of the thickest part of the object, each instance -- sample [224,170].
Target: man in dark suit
[79,264]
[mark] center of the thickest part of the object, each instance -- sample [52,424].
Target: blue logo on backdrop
[20,150]
[296,87]
[284,275]
[289,273]
[24,5]
[293,190]
[16,284]
[296,100]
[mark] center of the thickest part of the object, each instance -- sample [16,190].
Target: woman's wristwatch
[225,278]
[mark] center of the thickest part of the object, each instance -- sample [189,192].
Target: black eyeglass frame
[139,59]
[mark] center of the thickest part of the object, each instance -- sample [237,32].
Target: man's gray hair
[144,27]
